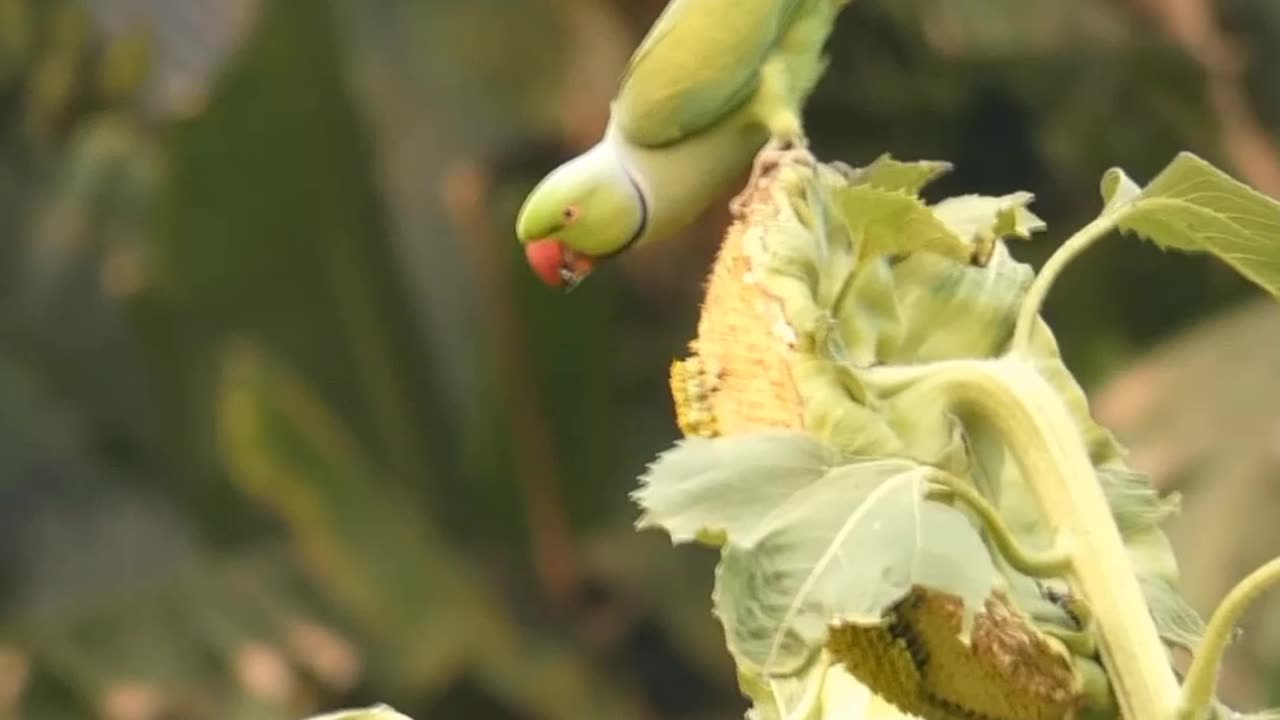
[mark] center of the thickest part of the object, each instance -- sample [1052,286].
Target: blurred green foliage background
[287,425]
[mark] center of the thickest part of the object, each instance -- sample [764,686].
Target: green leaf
[843,550]
[1193,206]
[888,222]
[1176,621]
[785,698]
[1118,188]
[886,173]
[707,489]
[982,217]
[949,310]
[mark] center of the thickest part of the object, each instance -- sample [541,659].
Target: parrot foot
[777,152]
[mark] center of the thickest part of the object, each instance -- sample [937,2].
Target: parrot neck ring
[640,226]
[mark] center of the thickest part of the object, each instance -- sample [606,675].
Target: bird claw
[775,153]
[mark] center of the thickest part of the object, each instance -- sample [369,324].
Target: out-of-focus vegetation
[286,424]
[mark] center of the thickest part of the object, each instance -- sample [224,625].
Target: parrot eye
[571,213]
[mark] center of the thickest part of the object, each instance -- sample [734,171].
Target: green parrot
[712,84]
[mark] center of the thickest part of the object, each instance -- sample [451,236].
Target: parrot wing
[699,62]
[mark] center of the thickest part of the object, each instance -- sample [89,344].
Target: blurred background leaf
[286,425]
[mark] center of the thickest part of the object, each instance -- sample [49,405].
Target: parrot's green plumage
[713,83]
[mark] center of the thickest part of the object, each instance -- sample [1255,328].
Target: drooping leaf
[887,222]
[710,489]
[886,173]
[843,550]
[1176,621]
[983,216]
[1134,501]
[1193,206]
[784,698]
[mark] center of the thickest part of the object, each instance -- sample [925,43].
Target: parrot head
[584,211]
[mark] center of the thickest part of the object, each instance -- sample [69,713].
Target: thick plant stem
[1042,437]
[1202,676]
[1053,267]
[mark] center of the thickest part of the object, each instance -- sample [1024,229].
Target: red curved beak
[556,265]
